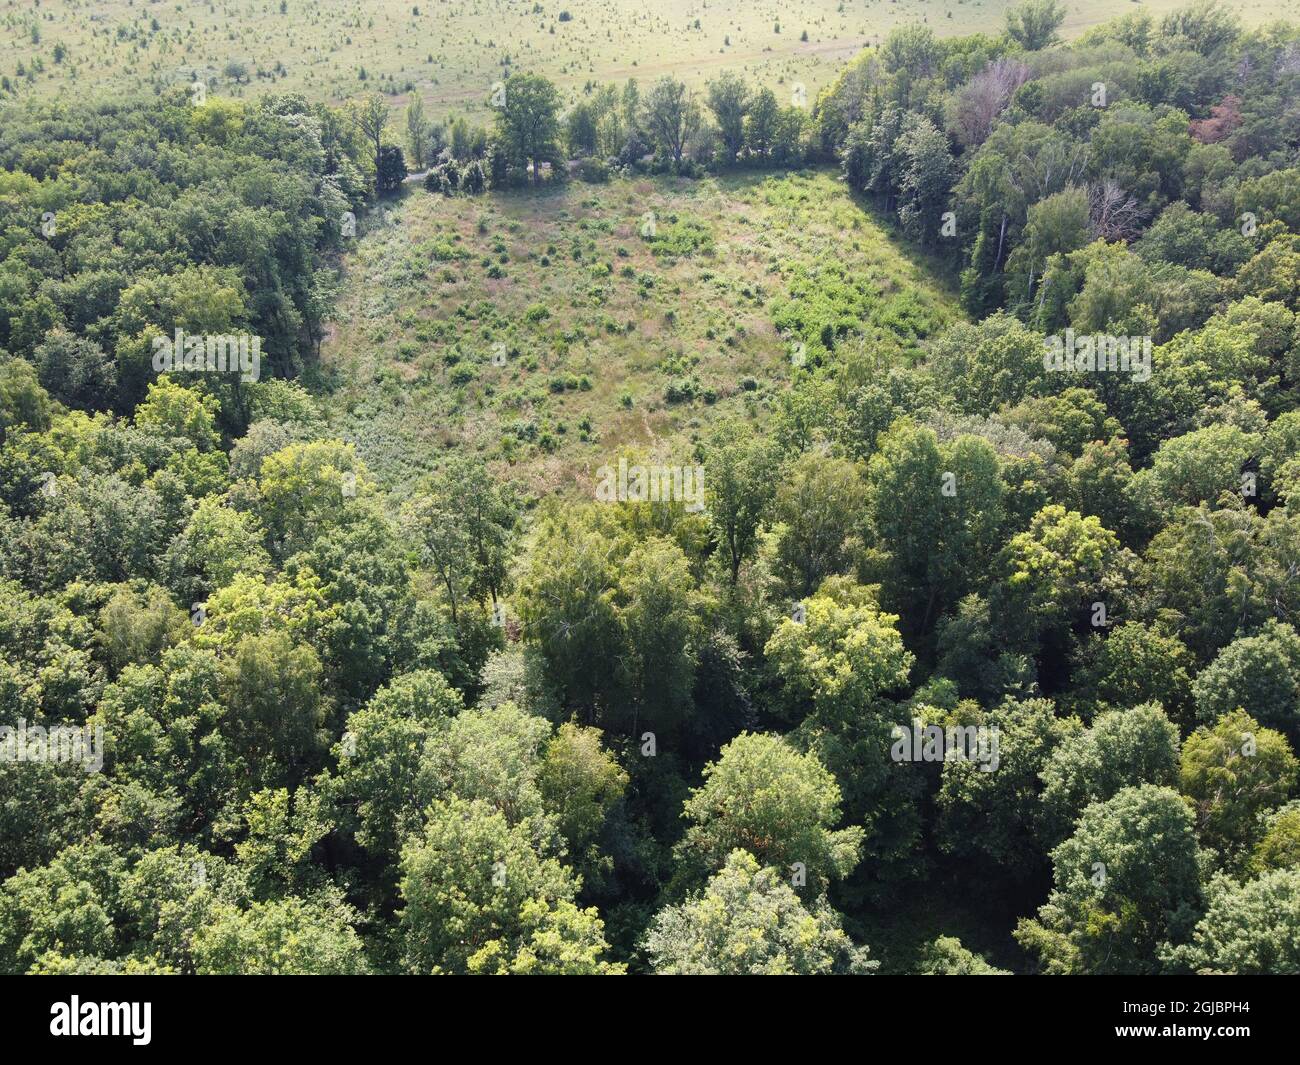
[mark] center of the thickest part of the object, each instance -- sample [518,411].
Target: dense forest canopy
[967,644]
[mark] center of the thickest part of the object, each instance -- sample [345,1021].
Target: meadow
[547,331]
[450,52]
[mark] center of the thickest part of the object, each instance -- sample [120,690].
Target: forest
[658,527]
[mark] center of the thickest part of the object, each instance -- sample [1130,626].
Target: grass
[451,51]
[551,330]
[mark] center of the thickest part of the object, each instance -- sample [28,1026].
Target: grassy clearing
[544,331]
[451,51]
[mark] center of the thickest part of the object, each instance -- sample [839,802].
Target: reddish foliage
[1224,118]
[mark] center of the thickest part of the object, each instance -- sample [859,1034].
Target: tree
[580,782]
[1203,26]
[1123,748]
[371,116]
[1033,24]
[76,371]
[174,412]
[925,183]
[947,957]
[1125,882]
[307,489]
[996,815]
[1056,571]
[1231,773]
[671,116]
[566,604]
[492,754]
[788,139]
[391,169]
[465,521]
[478,896]
[380,779]
[819,505]
[560,940]
[1212,572]
[660,614]
[749,921]
[938,512]
[839,658]
[1056,225]
[64,907]
[1195,468]
[1136,664]
[742,468]
[761,122]
[728,99]
[978,104]
[290,936]
[1259,674]
[765,797]
[272,693]
[839,667]
[1250,929]
[1280,846]
[580,128]
[993,364]
[417,132]
[23,402]
[528,123]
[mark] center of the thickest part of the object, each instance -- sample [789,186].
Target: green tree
[580,782]
[661,617]
[280,937]
[478,894]
[1126,882]
[1231,773]
[1260,674]
[1135,664]
[528,123]
[371,117]
[765,797]
[947,957]
[1033,24]
[997,815]
[566,601]
[1057,569]
[1280,846]
[749,921]
[380,783]
[392,169]
[1250,929]
[671,115]
[417,133]
[728,99]
[840,658]
[76,371]
[819,504]
[937,512]
[23,402]
[742,480]
[761,123]
[1122,749]
[926,180]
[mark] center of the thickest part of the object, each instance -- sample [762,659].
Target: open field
[451,51]
[602,350]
